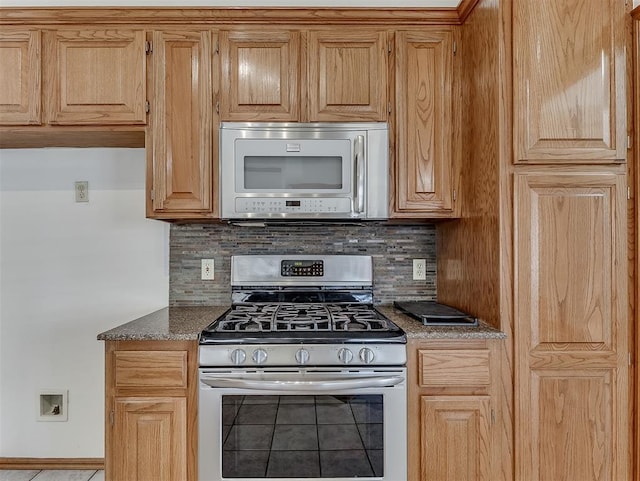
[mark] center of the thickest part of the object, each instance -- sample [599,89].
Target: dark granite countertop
[186,323]
[168,324]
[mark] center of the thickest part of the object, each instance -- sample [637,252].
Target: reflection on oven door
[309,436]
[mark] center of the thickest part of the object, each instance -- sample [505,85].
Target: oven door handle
[303,385]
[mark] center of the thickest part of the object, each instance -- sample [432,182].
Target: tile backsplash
[393,248]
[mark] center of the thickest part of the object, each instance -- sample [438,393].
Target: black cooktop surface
[431,313]
[302,322]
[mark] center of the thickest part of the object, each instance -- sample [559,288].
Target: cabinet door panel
[347,76]
[20,77]
[570,260]
[153,436]
[181,124]
[424,162]
[96,77]
[260,76]
[570,424]
[569,64]
[572,326]
[455,438]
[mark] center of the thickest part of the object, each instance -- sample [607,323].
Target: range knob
[366,355]
[259,356]
[302,356]
[345,356]
[238,356]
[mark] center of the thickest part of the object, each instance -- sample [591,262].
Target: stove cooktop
[308,322]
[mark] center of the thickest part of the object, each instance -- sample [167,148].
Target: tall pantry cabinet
[635,245]
[571,320]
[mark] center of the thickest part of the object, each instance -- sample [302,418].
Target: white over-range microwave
[304,171]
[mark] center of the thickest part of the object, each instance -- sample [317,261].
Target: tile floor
[51,475]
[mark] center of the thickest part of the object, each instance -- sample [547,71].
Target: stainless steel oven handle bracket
[358,151]
[303,385]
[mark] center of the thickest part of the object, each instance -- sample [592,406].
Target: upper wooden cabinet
[347,76]
[260,75]
[424,164]
[95,77]
[20,77]
[285,75]
[569,80]
[180,140]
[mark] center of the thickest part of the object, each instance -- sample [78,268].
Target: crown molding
[235,15]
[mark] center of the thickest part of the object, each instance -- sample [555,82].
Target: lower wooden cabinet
[151,410]
[151,436]
[456,438]
[452,410]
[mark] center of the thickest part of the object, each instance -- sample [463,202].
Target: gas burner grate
[308,317]
[302,317]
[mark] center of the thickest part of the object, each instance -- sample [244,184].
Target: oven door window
[302,436]
[300,167]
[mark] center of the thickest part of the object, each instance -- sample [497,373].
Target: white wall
[67,272]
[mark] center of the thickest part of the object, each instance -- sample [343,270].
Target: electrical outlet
[208,270]
[419,269]
[82,191]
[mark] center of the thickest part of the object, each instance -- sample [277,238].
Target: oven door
[312,424]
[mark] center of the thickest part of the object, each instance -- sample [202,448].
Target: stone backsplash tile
[393,248]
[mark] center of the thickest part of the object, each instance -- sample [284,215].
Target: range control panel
[301,268]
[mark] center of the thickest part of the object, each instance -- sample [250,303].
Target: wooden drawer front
[453,368]
[151,369]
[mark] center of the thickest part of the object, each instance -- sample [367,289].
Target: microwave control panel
[275,205]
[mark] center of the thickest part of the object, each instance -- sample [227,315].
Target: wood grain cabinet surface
[77,87]
[151,410]
[304,75]
[572,332]
[347,76]
[95,77]
[152,433]
[634,284]
[451,410]
[569,81]
[20,77]
[260,75]
[424,164]
[181,144]
[456,442]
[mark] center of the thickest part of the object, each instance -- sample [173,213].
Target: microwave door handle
[294,385]
[358,151]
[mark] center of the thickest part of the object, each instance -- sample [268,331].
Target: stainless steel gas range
[302,378]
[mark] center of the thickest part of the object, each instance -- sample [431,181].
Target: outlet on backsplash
[207,270]
[419,269]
